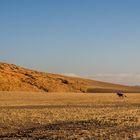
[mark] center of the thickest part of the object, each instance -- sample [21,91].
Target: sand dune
[15,78]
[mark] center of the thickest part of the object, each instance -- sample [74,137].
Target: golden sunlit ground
[81,116]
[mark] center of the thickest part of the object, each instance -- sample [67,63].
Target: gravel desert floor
[69,116]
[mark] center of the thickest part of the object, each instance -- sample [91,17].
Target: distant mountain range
[15,78]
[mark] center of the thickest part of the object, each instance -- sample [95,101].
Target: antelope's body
[121,94]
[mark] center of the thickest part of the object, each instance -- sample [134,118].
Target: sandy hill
[15,78]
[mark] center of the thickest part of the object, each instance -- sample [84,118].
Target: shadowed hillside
[15,78]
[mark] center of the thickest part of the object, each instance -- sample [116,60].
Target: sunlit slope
[15,78]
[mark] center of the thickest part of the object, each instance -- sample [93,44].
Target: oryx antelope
[120,94]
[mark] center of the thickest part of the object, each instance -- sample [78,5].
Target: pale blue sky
[93,38]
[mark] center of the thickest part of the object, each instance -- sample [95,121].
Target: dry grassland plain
[69,116]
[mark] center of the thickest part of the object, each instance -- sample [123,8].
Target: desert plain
[57,107]
[69,116]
